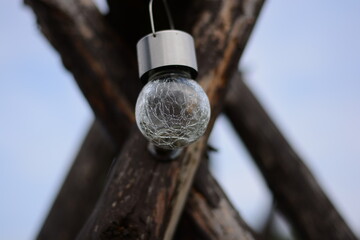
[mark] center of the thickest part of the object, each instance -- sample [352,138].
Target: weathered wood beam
[56,13]
[295,189]
[144,197]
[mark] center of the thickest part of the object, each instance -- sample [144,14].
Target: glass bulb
[172,110]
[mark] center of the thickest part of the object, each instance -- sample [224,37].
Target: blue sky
[303,63]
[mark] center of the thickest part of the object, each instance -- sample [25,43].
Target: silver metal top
[169,48]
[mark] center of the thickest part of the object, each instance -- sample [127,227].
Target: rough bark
[86,45]
[147,203]
[295,189]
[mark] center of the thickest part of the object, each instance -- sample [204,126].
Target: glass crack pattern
[172,111]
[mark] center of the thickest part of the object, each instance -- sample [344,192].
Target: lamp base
[164,154]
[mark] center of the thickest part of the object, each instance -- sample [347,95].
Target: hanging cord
[168,13]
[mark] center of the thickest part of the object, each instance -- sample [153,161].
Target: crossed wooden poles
[115,189]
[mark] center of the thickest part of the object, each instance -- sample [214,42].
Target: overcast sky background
[303,63]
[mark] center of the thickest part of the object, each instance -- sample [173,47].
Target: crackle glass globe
[172,110]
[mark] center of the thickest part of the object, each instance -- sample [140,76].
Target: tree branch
[295,189]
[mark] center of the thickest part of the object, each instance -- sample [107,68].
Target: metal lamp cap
[166,49]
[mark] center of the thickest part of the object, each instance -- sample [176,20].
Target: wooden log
[295,189]
[82,186]
[48,9]
[144,197]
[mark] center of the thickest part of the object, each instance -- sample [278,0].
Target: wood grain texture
[147,203]
[295,189]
